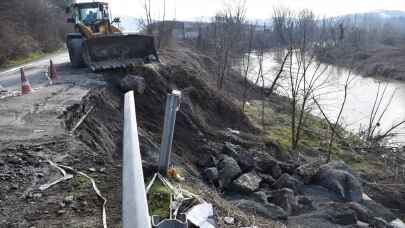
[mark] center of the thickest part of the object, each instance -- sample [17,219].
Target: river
[361,96]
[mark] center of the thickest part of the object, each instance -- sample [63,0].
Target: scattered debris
[232,131]
[201,215]
[92,170]
[397,223]
[95,188]
[81,120]
[68,199]
[229,220]
[65,177]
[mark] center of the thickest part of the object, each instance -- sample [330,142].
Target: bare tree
[298,31]
[380,107]
[228,31]
[246,66]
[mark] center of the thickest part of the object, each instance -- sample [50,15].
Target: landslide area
[94,148]
[220,152]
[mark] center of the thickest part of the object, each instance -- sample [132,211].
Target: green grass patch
[314,133]
[25,59]
[159,200]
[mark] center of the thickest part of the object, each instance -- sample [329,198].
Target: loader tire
[75,47]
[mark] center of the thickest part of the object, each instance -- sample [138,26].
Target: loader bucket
[119,51]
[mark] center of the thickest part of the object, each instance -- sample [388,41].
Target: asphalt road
[37,115]
[35,71]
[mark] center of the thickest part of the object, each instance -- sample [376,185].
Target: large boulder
[287,181]
[331,215]
[247,183]
[339,178]
[212,174]
[264,209]
[267,164]
[241,156]
[267,180]
[133,82]
[308,171]
[228,170]
[285,198]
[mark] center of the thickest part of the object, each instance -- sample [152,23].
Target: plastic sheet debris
[232,131]
[96,189]
[65,177]
[202,215]
[397,223]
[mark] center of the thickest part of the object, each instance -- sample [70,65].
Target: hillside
[30,28]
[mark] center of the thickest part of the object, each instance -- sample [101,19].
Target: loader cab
[91,13]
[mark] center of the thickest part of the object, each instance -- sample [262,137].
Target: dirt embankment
[383,62]
[95,148]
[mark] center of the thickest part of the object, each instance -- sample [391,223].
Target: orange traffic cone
[25,84]
[53,75]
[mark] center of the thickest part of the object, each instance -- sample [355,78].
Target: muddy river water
[362,92]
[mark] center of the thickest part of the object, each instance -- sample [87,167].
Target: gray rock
[228,170]
[339,178]
[305,205]
[61,212]
[267,210]
[247,183]
[265,163]
[287,181]
[68,199]
[267,179]
[362,212]
[260,196]
[242,157]
[212,174]
[285,198]
[340,214]
[379,223]
[375,209]
[276,170]
[133,82]
[309,170]
[230,149]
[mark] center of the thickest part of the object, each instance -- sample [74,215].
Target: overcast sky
[257,9]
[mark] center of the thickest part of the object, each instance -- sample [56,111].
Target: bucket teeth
[116,64]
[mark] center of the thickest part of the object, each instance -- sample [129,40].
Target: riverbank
[383,62]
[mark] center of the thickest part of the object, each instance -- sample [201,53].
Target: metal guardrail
[172,105]
[135,212]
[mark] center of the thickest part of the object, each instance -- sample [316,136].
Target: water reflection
[361,95]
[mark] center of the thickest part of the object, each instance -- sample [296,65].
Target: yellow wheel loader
[99,44]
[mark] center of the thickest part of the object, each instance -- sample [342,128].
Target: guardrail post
[172,105]
[135,212]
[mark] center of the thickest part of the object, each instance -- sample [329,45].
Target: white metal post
[135,212]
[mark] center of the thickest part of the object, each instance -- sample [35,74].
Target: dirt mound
[93,149]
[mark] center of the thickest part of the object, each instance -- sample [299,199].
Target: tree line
[31,26]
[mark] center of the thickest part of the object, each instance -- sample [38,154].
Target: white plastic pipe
[135,212]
